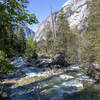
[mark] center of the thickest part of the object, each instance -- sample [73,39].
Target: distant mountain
[40,35]
[76,11]
[28,31]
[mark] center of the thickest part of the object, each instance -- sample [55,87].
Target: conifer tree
[62,34]
[21,40]
[49,34]
[92,35]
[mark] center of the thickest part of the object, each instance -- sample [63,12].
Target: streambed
[47,84]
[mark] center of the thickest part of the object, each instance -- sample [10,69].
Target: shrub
[31,48]
[4,64]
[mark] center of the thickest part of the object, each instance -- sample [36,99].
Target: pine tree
[21,40]
[69,41]
[62,34]
[49,35]
[92,35]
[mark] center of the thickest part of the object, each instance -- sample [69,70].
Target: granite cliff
[76,11]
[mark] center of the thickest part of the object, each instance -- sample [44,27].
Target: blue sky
[41,8]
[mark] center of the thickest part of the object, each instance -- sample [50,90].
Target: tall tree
[63,32]
[92,35]
[21,40]
[49,40]
[13,12]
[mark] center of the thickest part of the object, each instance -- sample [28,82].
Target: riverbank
[44,83]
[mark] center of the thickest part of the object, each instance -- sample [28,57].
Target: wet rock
[4,95]
[52,66]
[44,57]
[33,57]
[43,65]
[93,73]
[19,62]
[33,63]
[83,66]
[97,78]
[96,66]
[4,90]
[59,59]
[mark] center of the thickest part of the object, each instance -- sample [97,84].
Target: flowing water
[46,84]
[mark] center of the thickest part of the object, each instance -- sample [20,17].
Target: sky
[42,9]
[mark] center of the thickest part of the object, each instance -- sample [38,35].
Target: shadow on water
[32,91]
[21,72]
[89,93]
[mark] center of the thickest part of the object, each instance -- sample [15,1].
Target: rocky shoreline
[46,78]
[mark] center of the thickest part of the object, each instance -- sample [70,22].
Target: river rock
[93,72]
[33,57]
[41,56]
[59,59]
[4,90]
[96,66]
[4,95]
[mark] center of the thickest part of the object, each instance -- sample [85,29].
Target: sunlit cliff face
[76,11]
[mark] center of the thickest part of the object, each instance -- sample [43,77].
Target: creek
[33,83]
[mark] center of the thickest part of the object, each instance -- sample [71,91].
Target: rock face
[28,31]
[40,34]
[76,11]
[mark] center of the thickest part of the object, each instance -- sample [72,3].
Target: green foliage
[62,33]
[77,45]
[92,52]
[31,47]
[13,13]
[45,46]
[66,39]
[5,67]
[69,42]
[21,41]
[48,41]
[5,40]
[42,47]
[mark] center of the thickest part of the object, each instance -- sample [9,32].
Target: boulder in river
[93,72]
[96,66]
[59,59]
[4,91]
